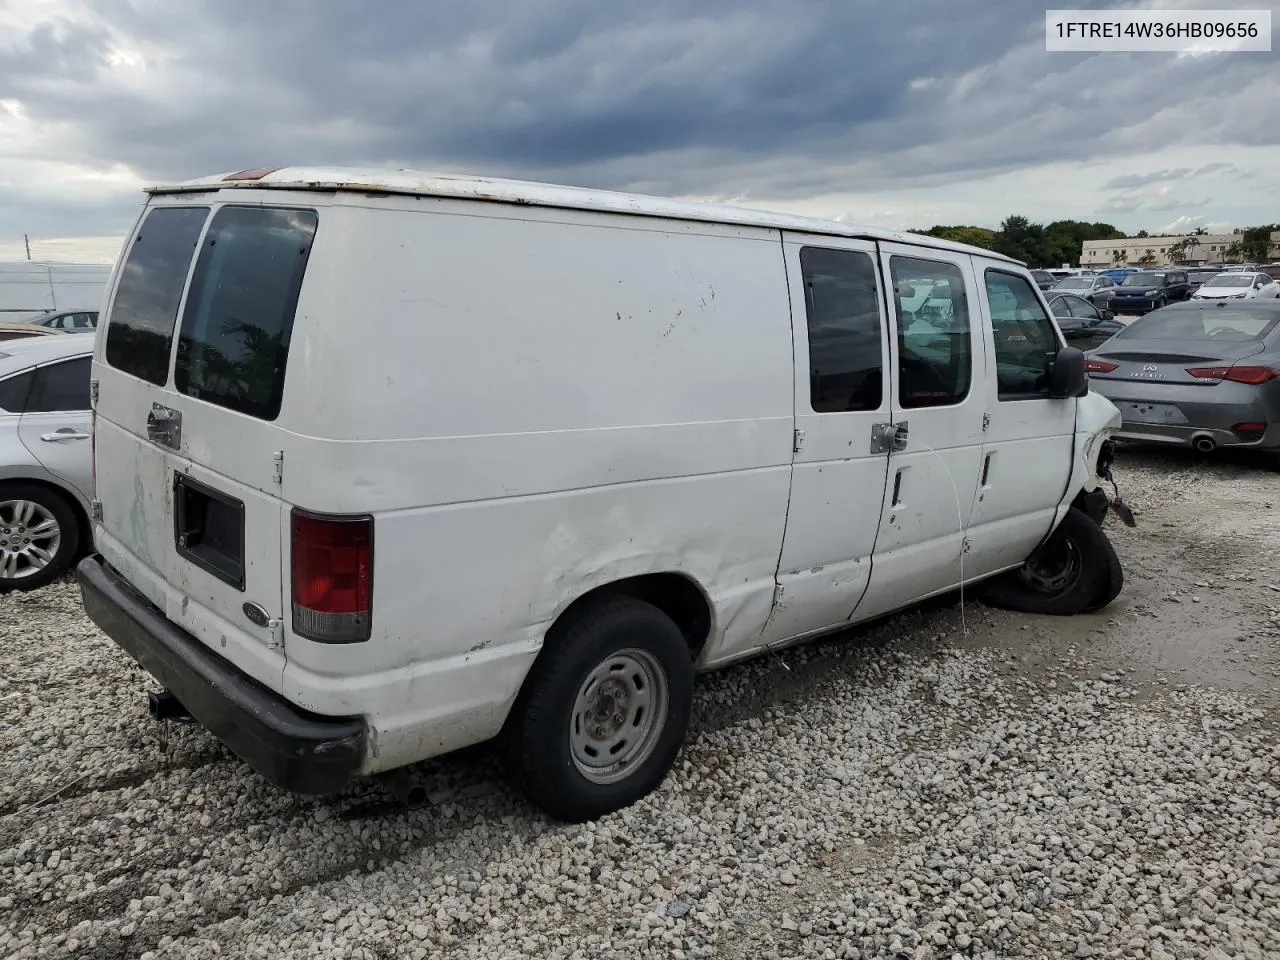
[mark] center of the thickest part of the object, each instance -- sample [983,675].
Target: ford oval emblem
[256,614]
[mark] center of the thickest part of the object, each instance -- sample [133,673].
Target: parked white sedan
[1237,286]
[46,459]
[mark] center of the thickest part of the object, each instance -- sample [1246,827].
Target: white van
[391,463]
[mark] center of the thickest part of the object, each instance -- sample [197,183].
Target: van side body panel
[531,404]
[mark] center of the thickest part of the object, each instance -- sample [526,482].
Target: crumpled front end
[1097,422]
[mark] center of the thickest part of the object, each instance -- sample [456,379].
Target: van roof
[457,186]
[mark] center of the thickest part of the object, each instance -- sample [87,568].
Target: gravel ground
[981,786]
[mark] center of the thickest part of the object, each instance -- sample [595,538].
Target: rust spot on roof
[255,174]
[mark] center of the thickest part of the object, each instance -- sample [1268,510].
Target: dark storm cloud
[725,98]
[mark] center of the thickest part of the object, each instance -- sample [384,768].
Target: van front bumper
[294,749]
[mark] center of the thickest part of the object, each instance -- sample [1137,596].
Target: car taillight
[1250,432]
[1250,375]
[1098,366]
[332,581]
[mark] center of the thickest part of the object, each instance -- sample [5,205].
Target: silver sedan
[1098,290]
[1204,374]
[46,459]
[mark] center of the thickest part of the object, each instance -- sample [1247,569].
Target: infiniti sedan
[1204,374]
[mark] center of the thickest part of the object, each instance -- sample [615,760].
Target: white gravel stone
[912,792]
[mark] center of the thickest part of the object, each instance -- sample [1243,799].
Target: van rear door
[190,370]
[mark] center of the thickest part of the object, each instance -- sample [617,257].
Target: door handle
[65,434]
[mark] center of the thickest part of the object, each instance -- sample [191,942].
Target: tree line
[1049,245]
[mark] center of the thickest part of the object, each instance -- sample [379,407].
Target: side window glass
[61,386]
[935,356]
[145,309]
[843,310]
[13,392]
[1024,338]
[1083,309]
[233,346]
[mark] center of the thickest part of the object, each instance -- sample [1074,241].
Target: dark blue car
[1149,290]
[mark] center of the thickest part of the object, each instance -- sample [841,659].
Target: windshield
[1141,280]
[1075,283]
[1231,280]
[1177,323]
[1202,274]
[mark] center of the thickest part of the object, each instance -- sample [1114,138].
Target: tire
[1075,571]
[29,562]
[608,654]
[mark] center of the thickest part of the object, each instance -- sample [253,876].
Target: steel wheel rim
[30,536]
[1054,568]
[618,716]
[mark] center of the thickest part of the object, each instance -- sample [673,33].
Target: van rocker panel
[298,751]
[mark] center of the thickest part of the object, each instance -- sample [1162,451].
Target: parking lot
[979,783]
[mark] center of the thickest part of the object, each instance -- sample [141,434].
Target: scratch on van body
[667,332]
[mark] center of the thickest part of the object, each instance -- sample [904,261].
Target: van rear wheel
[39,536]
[604,711]
[1075,571]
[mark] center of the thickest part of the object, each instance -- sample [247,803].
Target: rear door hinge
[797,441]
[275,633]
[93,393]
[277,475]
[778,591]
[95,510]
[986,421]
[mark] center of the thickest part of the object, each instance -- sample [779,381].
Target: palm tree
[1192,242]
[1119,257]
[1148,258]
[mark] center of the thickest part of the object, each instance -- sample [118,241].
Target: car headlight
[1150,293]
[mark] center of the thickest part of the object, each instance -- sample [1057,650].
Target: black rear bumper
[299,751]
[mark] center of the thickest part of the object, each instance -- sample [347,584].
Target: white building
[1209,248]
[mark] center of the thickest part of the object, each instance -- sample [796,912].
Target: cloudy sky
[896,114]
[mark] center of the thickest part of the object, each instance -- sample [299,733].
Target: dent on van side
[388,464]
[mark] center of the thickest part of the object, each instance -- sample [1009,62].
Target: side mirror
[1066,374]
[1108,315]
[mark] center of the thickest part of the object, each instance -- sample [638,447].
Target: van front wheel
[604,711]
[1075,571]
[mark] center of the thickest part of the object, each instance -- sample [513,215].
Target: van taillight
[332,579]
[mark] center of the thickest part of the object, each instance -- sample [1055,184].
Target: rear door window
[14,390]
[234,341]
[60,387]
[140,328]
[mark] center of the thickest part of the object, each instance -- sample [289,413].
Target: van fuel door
[888,436]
